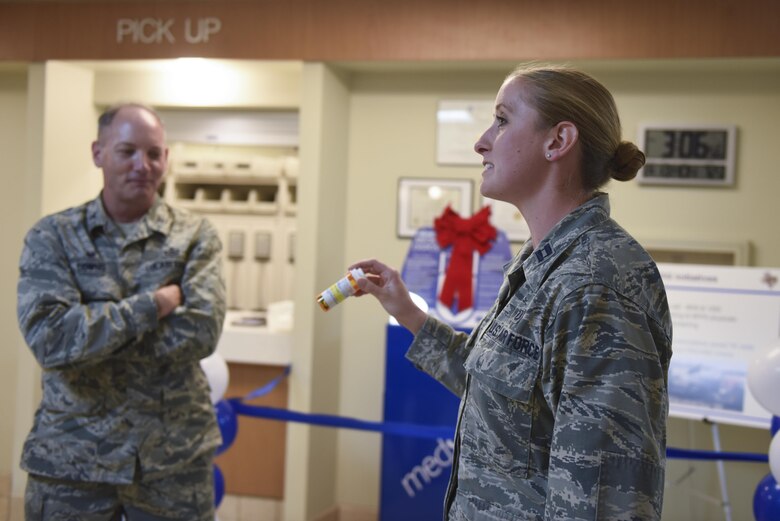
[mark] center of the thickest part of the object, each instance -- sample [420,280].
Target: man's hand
[167,299]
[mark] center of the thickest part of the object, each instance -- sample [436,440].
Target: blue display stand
[415,471]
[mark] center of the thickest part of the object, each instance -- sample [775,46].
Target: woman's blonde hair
[563,94]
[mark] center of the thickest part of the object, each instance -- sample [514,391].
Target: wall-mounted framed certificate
[688,154]
[420,201]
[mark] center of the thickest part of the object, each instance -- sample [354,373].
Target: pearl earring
[548,155]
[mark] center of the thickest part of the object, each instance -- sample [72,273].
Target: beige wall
[195,83]
[362,129]
[13,129]
[69,125]
[746,94]
[392,134]
[58,173]
[310,489]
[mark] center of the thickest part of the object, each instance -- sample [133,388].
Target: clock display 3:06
[686,144]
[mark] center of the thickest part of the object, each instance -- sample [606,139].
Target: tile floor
[244,508]
[232,508]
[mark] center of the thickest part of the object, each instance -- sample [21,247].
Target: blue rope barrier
[270,386]
[424,431]
[714,455]
[325,420]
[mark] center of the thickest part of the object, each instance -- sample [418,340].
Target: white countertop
[244,341]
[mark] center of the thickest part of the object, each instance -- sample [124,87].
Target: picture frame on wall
[701,253]
[420,201]
[508,219]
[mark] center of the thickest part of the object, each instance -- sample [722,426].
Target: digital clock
[688,154]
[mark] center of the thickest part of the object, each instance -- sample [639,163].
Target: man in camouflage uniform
[119,299]
[563,383]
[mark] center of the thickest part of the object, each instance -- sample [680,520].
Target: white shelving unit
[249,193]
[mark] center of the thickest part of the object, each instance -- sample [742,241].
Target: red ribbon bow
[465,236]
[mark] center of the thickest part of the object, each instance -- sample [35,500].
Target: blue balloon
[775,425]
[228,424]
[766,500]
[219,486]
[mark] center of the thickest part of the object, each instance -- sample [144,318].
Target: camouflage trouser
[186,495]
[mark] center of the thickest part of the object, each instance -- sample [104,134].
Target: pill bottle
[342,289]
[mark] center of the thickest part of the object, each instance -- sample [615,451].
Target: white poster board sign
[722,318]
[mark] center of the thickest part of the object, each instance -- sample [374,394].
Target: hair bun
[627,161]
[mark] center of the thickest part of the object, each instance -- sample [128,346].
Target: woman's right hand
[384,283]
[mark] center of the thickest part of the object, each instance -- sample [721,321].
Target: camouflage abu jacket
[563,384]
[121,390]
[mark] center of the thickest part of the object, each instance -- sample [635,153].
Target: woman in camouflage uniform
[564,382]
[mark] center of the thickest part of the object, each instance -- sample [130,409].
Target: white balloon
[763,379]
[774,456]
[217,374]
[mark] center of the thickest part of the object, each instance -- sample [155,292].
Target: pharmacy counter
[246,339]
[256,355]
